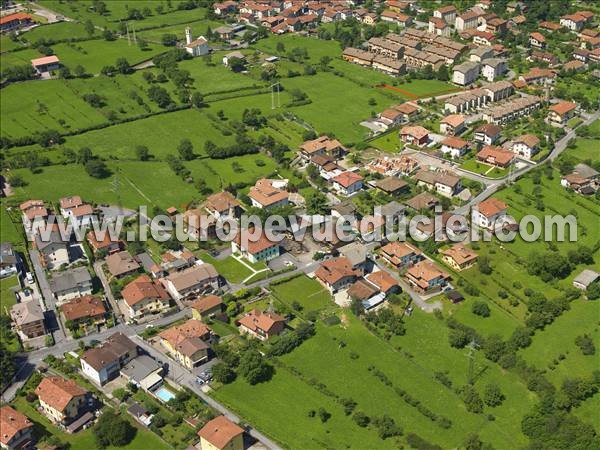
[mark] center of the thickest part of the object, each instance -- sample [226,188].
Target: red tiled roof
[83,307]
[143,288]
[11,423]
[491,207]
[562,108]
[13,17]
[347,179]
[58,392]
[264,321]
[220,432]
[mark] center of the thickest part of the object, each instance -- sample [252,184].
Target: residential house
[54,251]
[86,309]
[495,156]
[255,249]
[390,117]
[493,68]
[106,244]
[392,185]
[76,210]
[232,56]
[187,343]
[489,212]
[498,90]
[385,47]
[224,8]
[16,430]
[199,224]
[336,274]
[70,284]
[9,260]
[537,40]
[471,99]
[363,291]
[583,180]
[357,253]
[561,112]
[221,433]
[323,146]
[446,13]
[145,296]
[101,364]
[487,134]
[401,254]
[585,279]
[347,183]
[549,26]
[546,57]
[483,38]
[121,264]
[358,56]
[538,76]
[408,111]
[33,210]
[207,306]
[452,124]
[526,145]
[223,205]
[425,277]
[388,65]
[402,20]
[61,400]
[496,25]
[480,53]
[12,22]
[46,64]
[265,195]
[465,73]
[415,135]
[444,183]
[454,146]
[383,281]
[575,66]
[459,257]
[261,325]
[422,202]
[466,21]
[196,279]
[144,372]
[28,319]
[573,22]
[439,27]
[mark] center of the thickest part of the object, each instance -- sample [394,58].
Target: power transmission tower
[273,86]
[471,355]
[116,187]
[134,38]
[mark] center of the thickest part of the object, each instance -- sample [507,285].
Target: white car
[29,277]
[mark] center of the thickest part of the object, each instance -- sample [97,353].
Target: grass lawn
[586,149]
[84,440]
[58,31]
[572,123]
[308,292]
[9,231]
[389,142]
[475,166]
[588,411]
[7,296]
[230,268]
[222,329]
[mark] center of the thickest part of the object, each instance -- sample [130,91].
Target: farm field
[86,54]
[323,359]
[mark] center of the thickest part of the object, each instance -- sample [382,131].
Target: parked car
[29,277]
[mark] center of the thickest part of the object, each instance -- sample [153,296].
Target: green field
[389,142]
[308,292]
[7,296]
[475,166]
[325,361]
[230,268]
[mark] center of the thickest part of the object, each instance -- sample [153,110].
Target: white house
[465,73]
[347,183]
[75,210]
[196,279]
[454,146]
[198,47]
[101,364]
[493,68]
[526,145]
[488,212]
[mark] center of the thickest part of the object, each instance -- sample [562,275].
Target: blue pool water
[164,394]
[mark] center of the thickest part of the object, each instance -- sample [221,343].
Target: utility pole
[128,38]
[471,355]
[116,187]
[134,38]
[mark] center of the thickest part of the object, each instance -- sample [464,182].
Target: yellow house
[60,399]
[187,342]
[145,296]
[221,434]
[459,257]
[207,306]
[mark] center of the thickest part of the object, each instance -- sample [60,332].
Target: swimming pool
[164,394]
